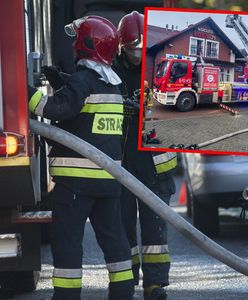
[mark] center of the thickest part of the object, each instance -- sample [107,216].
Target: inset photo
[195,80]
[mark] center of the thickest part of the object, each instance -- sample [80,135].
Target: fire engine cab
[183,82]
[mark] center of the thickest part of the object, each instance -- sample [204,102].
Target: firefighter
[90,106]
[153,169]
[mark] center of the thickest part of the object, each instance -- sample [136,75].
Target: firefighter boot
[155,292]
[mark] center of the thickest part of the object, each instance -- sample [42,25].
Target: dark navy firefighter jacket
[92,110]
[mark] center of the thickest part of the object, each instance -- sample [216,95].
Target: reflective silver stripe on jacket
[74,162]
[155,249]
[119,266]
[67,273]
[104,98]
[135,250]
[164,157]
[40,107]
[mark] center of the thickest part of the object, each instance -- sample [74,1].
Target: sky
[183,19]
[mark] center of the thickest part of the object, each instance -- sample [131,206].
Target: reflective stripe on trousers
[155,254]
[120,271]
[165,162]
[67,278]
[135,255]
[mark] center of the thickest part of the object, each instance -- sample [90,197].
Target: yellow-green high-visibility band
[34,101]
[155,258]
[72,283]
[135,260]
[77,172]
[102,108]
[108,124]
[121,276]
[167,166]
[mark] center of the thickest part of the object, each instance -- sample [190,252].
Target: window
[222,75]
[225,75]
[212,49]
[228,75]
[179,69]
[196,46]
[162,68]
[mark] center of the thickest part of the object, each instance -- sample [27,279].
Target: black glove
[54,77]
[131,107]
[31,91]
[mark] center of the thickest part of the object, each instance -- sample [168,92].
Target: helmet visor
[71,29]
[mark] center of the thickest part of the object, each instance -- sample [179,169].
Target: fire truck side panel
[208,79]
[18,176]
[13,68]
[16,183]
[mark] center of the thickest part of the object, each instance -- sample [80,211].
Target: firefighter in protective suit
[90,106]
[153,169]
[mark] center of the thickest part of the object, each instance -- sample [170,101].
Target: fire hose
[142,192]
[216,140]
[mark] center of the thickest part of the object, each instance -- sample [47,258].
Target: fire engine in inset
[186,81]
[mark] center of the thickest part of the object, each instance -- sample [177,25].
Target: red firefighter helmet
[96,39]
[130,30]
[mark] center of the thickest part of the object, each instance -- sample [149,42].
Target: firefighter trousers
[154,259]
[70,212]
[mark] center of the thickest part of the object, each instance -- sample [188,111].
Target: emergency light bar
[11,144]
[180,56]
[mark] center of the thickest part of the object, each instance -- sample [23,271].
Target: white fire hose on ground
[142,192]
[207,143]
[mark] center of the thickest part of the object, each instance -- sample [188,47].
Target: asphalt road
[194,275]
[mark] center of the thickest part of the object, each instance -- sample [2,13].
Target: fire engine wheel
[185,102]
[205,218]
[17,281]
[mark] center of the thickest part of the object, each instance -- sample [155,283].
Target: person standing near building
[90,106]
[153,169]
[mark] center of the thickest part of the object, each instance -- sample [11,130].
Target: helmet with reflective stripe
[96,39]
[130,30]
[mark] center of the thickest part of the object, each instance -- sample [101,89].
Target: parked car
[213,181]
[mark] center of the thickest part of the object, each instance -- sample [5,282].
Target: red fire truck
[185,82]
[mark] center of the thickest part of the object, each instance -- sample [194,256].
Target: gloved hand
[54,77]
[31,91]
[131,107]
